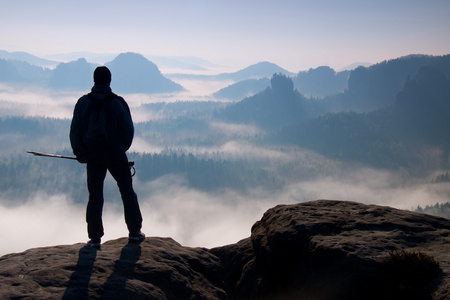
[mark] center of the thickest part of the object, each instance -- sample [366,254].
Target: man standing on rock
[100,134]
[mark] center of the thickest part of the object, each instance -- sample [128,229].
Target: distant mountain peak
[130,55]
[259,70]
[133,61]
[133,73]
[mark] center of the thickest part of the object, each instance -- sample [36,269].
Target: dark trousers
[117,165]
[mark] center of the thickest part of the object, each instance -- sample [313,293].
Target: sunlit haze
[296,35]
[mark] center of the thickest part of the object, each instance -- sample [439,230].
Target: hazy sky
[294,34]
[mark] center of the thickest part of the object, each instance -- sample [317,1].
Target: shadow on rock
[78,285]
[123,270]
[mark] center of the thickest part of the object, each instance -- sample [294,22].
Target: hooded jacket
[120,124]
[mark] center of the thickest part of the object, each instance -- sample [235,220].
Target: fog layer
[196,218]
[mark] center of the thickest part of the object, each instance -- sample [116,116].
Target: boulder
[338,250]
[322,249]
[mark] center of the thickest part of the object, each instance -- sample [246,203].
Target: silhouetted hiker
[100,134]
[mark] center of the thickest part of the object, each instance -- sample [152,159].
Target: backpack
[99,120]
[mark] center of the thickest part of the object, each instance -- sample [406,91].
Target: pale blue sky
[294,34]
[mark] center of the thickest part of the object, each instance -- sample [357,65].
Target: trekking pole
[130,163]
[51,155]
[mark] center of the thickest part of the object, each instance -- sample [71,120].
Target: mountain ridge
[144,77]
[29,58]
[255,71]
[9,69]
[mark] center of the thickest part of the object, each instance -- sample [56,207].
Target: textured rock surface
[316,250]
[158,268]
[332,250]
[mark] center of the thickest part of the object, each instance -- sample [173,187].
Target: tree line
[24,175]
[439,209]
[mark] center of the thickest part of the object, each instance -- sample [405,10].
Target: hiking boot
[136,237]
[94,243]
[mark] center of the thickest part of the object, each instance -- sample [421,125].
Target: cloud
[196,88]
[243,150]
[231,129]
[372,187]
[196,218]
[36,102]
[191,217]
[140,145]
[43,221]
[171,208]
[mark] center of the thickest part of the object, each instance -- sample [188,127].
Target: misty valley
[375,134]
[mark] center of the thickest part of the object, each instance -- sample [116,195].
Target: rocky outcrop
[334,250]
[315,250]
[158,268]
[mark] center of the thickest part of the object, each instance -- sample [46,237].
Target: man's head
[102,76]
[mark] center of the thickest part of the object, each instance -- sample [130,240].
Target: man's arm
[127,127]
[76,133]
